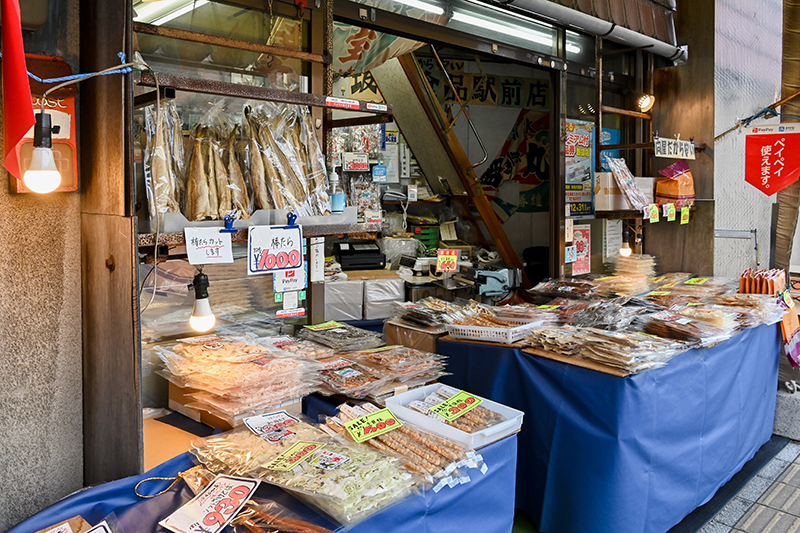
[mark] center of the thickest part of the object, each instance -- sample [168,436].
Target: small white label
[377,107]
[62,528]
[212,510]
[205,246]
[568,225]
[372,216]
[342,103]
[317,258]
[412,193]
[274,427]
[289,280]
[328,460]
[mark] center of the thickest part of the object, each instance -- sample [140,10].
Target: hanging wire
[767,112]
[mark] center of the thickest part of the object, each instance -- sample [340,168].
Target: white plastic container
[500,335]
[397,404]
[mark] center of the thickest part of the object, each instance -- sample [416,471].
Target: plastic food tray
[501,335]
[397,404]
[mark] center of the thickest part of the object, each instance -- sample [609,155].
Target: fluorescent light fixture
[519,33]
[430,8]
[147,10]
[179,12]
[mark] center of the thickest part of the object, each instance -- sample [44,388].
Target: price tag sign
[274,248]
[296,454]
[606,277]
[669,285]
[787,299]
[696,281]
[653,213]
[212,510]
[570,254]
[329,460]
[342,103]
[446,260]
[658,293]
[694,304]
[457,405]
[205,246]
[355,162]
[665,210]
[548,306]
[274,427]
[684,215]
[670,212]
[372,425]
[658,279]
[330,324]
[379,174]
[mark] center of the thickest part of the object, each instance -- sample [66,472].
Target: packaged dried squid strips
[567,288]
[402,365]
[346,377]
[673,326]
[753,309]
[475,420]
[566,308]
[296,347]
[724,318]
[347,481]
[341,337]
[564,340]
[627,351]
[163,161]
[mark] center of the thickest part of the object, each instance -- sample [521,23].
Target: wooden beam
[359,121]
[627,113]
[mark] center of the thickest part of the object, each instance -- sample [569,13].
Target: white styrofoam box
[380,296]
[344,300]
[608,196]
[397,404]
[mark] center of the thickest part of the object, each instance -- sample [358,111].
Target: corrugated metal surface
[747,78]
[649,17]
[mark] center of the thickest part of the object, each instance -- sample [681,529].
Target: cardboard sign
[205,246]
[372,425]
[446,260]
[274,248]
[457,405]
[212,510]
[296,454]
[674,148]
[772,157]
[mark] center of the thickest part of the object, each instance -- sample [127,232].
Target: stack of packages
[477,419]
[349,378]
[607,314]
[689,291]
[296,347]
[526,314]
[342,337]
[706,331]
[428,312]
[563,288]
[762,281]
[406,368]
[630,276]
[753,309]
[235,378]
[346,480]
[442,461]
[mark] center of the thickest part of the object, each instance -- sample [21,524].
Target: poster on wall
[772,157]
[582,240]
[579,155]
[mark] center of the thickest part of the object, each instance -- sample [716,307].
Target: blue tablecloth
[486,504]
[629,455]
[370,325]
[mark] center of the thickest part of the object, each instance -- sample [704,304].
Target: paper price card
[328,460]
[547,306]
[446,260]
[330,324]
[372,425]
[205,246]
[606,277]
[379,174]
[670,212]
[274,248]
[787,299]
[274,427]
[653,213]
[295,455]
[684,215]
[696,281]
[658,293]
[212,510]
[457,405]
[658,279]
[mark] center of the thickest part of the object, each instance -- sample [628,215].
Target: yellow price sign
[372,425]
[296,454]
[446,260]
[658,293]
[671,213]
[457,405]
[684,215]
[653,213]
[696,281]
[325,325]
[787,299]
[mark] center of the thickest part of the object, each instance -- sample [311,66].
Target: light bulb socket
[42,131]
[200,284]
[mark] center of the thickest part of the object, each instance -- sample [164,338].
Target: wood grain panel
[112,414]
[684,248]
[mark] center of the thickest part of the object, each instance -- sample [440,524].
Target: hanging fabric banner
[772,157]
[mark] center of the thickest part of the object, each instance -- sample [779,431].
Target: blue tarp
[627,455]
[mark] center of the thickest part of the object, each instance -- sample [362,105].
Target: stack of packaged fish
[342,337]
[564,288]
[403,365]
[753,309]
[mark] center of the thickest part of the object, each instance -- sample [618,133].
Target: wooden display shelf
[368,230]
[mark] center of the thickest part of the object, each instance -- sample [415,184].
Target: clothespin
[229,220]
[291,218]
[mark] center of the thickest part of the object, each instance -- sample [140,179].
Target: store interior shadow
[186,424]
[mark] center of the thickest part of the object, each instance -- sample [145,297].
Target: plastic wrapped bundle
[403,365]
[673,326]
[526,314]
[163,161]
[753,309]
[349,378]
[475,420]
[567,288]
[607,314]
[724,318]
[563,340]
[342,337]
[296,347]
[630,352]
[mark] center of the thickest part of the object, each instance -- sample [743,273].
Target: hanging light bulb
[646,102]
[203,318]
[42,175]
[625,250]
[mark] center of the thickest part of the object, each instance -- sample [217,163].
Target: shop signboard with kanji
[772,157]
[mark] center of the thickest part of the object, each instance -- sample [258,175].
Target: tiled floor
[769,503]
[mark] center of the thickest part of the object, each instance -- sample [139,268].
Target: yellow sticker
[605,278]
[325,325]
[296,454]
[658,293]
[659,279]
[671,213]
[457,405]
[548,307]
[446,260]
[669,285]
[695,304]
[653,213]
[696,281]
[372,425]
[684,215]
[787,298]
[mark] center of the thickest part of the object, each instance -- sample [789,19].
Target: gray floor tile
[782,523]
[778,495]
[774,469]
[791,476]
[756,519]
[733,511]
[790,452]
[715,527]
[756,488]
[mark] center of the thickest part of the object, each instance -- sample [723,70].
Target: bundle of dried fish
[753,309]
[673,326]
[635,265]
[419,314]
[563,340]
[607,314]
[724,318]
[625,285]
[630,352]
[163,160]
[571,288]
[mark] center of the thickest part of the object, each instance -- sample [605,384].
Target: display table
[634,454]
[484,504]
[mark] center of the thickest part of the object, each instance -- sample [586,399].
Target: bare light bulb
[625,250]
[202,318]
[42,175]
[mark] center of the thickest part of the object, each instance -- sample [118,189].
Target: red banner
[772,157]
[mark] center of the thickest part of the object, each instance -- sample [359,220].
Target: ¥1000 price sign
[274,248]
[457,405]
[212,510]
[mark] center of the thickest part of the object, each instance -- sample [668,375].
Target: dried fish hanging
[160,170]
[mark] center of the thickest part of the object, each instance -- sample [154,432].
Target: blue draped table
[627,455]
[485,504]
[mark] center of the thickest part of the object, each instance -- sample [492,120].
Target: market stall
[639,452]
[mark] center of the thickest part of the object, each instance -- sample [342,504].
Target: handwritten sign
[457,405]
[674,148]
[372,425]
[330,324]
[446,260]
[296,454]
[212,510]
[684,215]
[355,162]
[274,248]
[205,246]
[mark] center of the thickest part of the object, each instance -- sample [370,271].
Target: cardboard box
[418,337]
[344,300]
[608,196]
[464,249]
[380,296]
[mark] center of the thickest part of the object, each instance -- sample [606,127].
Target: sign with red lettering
[772,157]
[211,510]
[372,425]
[274,248]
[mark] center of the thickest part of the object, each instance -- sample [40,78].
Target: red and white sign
[211,510]
[274,248]
[772,157]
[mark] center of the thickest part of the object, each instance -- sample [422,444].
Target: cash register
[360,256]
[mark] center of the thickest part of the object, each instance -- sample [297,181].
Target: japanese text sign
[274,248]
[372,425]
[274,427]
[446,260]
[211,510]
[205,246]
[674,148]
[457,405]
[772,157]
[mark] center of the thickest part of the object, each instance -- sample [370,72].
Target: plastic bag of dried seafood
[163,161]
